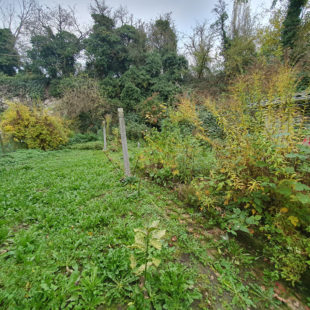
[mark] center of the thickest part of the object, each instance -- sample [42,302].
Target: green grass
[67,221]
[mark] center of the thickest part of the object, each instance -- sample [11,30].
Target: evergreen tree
[54,54]
[292,22]
[9,58]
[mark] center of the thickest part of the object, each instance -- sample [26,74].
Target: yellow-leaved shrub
[33,128]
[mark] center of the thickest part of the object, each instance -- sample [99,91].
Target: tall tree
[111,49]
[17,16]
[103,48]
[54,54]
[292,22]
[9,58]
[220,23]
[199,48]
[241,22]
[162,35]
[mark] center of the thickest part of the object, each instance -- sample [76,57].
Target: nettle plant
[148,242]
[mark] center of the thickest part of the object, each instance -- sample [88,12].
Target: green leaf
[290,170]
[301,187]
[284,190]
[253,220]
[304,199]
[44,286]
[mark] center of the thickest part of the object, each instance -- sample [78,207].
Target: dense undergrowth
[256,177]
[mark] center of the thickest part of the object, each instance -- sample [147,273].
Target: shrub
[34,129]
[93,145]
[260,181]
[135,127]
[82,138]
[261,167]
[177,152]
[83,103]
[153,110]
[22,85]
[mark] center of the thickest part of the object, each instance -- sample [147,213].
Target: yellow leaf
[156,244]
[284,210]
[294,220]
[133,263]
[159,234]
[156,262]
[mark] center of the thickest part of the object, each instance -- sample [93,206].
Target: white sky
[185,13]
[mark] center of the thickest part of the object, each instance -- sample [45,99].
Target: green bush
[135,127]
[23,86]
[93,145]
[82,138]
[171,156]
[210,124]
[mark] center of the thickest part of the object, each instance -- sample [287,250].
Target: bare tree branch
[16,15]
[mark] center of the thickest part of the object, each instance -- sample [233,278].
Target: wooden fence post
[124,141]
[104,136]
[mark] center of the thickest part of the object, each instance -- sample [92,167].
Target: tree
[220,24]
[54,54]
[133,41]
[240,55]
[241,24]
[17,16]
[83,102]
[292,22]
[269,38]
[238,48]
[9,58]
[111,49]
[104,48]
[174,66]
[153,64]
[199,49]
[57,19]
[162,36]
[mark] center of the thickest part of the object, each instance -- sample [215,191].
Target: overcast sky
[185,13]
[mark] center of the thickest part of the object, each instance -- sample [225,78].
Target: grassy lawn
[67,221]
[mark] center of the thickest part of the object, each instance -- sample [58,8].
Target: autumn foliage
[256,178]
[33,128]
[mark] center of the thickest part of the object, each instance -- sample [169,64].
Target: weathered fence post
[1,143]
[104,136]
[124,141]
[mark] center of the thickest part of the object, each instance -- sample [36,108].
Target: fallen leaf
[174,239]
